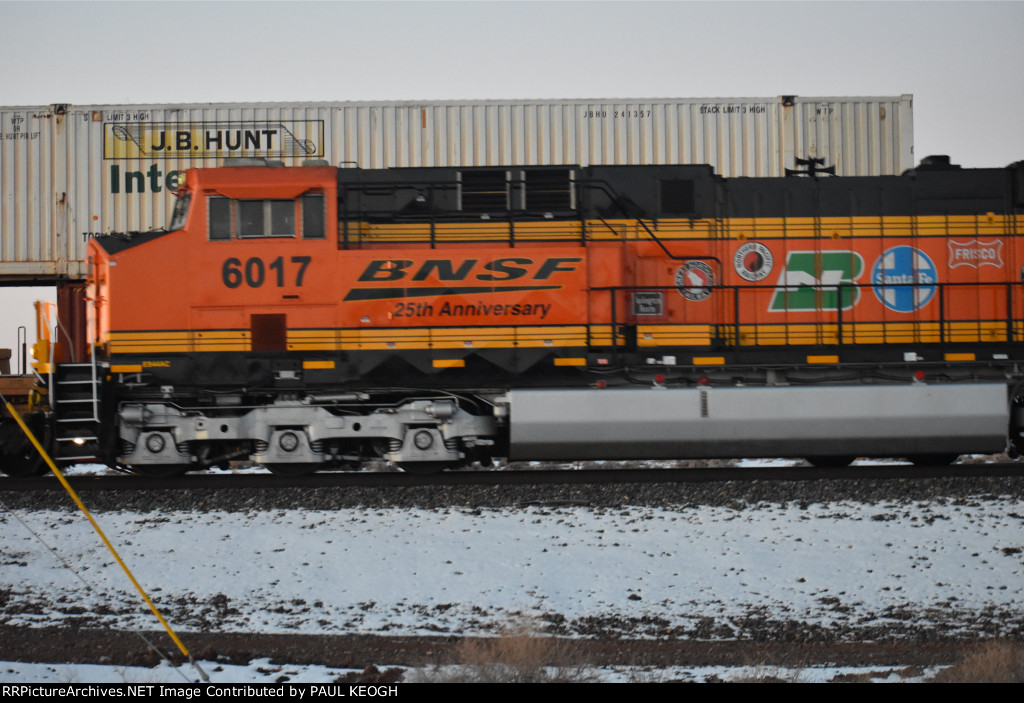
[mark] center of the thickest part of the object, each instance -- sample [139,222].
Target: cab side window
[219,218]
[266,218]
[246,219]
[313,216]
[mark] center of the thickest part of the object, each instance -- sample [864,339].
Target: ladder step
[75,398]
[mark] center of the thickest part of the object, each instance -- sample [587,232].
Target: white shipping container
[68,172]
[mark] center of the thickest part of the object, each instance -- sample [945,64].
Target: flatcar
[314,317]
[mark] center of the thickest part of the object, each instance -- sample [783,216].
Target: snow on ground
[262,671]
[708,571]
[414,571]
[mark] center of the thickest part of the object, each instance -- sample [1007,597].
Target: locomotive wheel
[160,470]
[292,469]
[21,458]
[26,461]
[825,461]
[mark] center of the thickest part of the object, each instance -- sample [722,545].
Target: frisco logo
[975,253]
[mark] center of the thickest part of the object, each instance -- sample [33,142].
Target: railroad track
[564,476]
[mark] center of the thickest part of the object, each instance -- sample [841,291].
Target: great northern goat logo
[813,280]
[694,280]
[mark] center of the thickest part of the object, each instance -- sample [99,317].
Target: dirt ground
[58,645]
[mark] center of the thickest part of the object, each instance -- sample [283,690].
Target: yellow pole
[74,496]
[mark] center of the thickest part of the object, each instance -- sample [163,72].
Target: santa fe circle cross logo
[904,279]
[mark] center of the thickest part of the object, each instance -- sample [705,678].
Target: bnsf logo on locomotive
[813,280]
[446,270]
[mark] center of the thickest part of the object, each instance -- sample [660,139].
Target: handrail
[53,372]
[839,315]
[510,216]
[23,348]
[95,385]
[604,187]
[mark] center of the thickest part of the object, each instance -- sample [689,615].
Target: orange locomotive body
[309,317]
[456,288]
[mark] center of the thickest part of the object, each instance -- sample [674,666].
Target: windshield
[180,212]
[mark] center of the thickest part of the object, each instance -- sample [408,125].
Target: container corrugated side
[737,136]
[69,172]
[29,173]
[859,136]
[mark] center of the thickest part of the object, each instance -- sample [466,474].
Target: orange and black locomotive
[314,317]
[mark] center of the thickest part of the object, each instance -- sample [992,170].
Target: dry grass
[996,662]
[765,674]
[517,656]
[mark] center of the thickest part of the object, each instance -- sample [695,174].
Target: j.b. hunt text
[214,139]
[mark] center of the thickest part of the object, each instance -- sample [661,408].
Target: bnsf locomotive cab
[235,244]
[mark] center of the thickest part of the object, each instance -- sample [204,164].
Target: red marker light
[919,375]
[703,380]
[660,378]
[601,384]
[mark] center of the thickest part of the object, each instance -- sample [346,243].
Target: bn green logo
[814,280]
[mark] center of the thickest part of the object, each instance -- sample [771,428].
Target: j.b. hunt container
[68,172]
